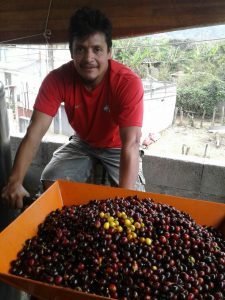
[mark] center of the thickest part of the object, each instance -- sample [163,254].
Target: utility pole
[50,58]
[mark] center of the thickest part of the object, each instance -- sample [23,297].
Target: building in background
[159,106]
[22,69]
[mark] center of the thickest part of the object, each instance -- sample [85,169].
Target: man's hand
[12,195]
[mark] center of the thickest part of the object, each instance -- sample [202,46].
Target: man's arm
[129,160]
[14,191]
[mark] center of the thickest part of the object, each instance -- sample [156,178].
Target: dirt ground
[202,141]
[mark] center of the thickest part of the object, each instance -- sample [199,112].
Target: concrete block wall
[186,177]
[43,156]
[181,176]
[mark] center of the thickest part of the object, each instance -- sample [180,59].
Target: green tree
[200,91]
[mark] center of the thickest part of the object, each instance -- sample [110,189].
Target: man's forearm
[14,192]
[39,124]
[129,164]
[23,159]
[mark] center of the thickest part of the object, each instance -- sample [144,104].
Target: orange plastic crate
[68,193]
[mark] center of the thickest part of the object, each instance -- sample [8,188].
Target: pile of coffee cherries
[126,248]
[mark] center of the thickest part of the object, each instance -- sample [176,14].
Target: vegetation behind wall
[197,67]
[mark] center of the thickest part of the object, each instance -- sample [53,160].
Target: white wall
[159,106]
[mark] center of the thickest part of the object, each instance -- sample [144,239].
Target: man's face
[90,56]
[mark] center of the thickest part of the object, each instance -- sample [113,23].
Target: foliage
[202,64]
[199,92]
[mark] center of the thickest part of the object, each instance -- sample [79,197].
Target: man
[104,104]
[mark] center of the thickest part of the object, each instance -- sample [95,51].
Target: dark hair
[86,21]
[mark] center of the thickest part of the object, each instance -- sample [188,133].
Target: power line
[20,38]
[33,48]
[177,42]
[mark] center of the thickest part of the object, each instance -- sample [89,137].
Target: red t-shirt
[96,115]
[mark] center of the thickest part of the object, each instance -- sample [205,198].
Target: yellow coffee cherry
[134,235]
[116,222]
[142,239]
[132,227]
[129,236]
[148,241]
[112,224]
[101,214]
[191,259]
[129,230]
[106,225]
[137,225]
[123,215]
[119,228]
[127,222]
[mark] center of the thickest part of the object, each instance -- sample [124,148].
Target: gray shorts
[78,161]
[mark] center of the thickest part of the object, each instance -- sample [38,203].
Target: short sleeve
[49,96]
[131,102]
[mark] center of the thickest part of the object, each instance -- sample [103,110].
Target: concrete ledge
[184,176]
[172,173]
[215,175]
